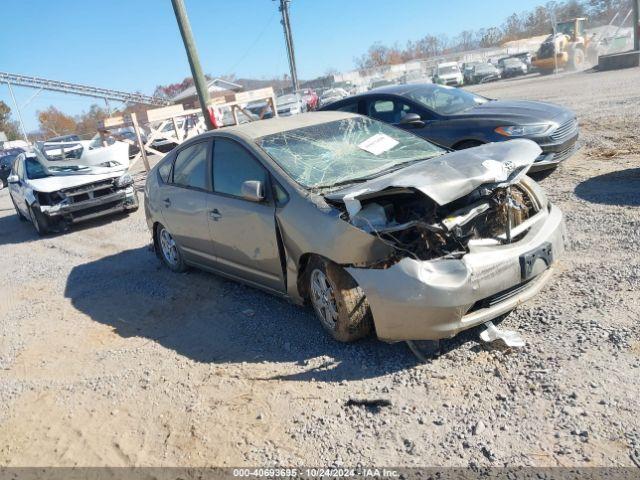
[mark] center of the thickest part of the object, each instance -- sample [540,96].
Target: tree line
[517,26]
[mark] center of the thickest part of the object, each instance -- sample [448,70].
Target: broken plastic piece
[509,337]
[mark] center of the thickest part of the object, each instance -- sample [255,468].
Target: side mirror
[13,178]
[412,120]
[252,190]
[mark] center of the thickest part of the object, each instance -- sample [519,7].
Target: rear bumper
[120,201]
[429,300]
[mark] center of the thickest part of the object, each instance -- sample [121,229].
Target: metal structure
[636,24]
[194,61]
[288,37]
[78,89]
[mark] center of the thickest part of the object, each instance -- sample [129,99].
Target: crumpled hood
[60,182]
[453,175]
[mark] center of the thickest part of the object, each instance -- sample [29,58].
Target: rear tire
[338,301]
[38,220]
[168,250]
[576,62]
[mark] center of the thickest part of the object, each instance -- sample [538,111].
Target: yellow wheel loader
[570,47]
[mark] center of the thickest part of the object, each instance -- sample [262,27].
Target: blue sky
[135,44]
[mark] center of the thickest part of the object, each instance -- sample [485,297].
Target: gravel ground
[107,358]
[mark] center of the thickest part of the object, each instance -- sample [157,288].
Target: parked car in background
[290,104]
[459,119]
[64,138]
[448,74]
[524,57]
[415,76]
[378,229]
[310,99]
[512,67]
[261,109]
[187,126]
[53,194]
[467,70]
[6,162]
[332,95]
[484,72]
[379,82]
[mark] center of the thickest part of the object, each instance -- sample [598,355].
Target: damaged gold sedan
[378,229]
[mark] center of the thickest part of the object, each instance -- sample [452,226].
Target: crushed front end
[84,202]
[456,263]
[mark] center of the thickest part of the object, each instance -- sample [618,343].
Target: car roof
[400,89]
[262,128]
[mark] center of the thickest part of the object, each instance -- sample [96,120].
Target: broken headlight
[124,181]
[523,130]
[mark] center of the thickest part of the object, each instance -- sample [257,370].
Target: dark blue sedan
[459,119]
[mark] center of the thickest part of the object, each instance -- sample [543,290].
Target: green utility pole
[288,38]
[194,61]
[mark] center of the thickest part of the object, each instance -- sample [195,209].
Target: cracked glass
[330,154]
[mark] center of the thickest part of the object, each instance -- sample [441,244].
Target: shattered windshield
[344,151]
[35,169]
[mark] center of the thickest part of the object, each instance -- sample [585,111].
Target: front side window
[389,111]
[344,151]
[232,166]
[190,169]
[349,107]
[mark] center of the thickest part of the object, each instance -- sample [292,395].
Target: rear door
[243,232]
[183,202]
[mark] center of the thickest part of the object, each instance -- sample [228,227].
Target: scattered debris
[371,404]
[509,337]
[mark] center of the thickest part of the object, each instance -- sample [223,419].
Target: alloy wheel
[323,299]
[169,248]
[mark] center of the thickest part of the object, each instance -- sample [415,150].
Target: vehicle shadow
[211,320]
[614,188]
[13,230]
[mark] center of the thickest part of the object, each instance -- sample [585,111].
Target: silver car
[375,227]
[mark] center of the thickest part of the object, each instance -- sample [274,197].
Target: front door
[243,232]
[184,203]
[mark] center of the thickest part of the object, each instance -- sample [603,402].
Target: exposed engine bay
[415,226]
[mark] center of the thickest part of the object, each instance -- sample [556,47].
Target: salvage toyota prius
[378,229]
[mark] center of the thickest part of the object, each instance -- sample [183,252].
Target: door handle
[215,214]
[167,202]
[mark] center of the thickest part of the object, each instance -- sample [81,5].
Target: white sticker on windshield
[378,144]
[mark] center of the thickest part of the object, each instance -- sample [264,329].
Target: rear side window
[164,169]
[190,169]
[349,107]
[233,165]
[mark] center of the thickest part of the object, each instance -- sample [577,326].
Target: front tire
[169,251]
[339,303]
[18,212]
[38,220]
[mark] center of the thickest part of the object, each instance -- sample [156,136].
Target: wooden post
[177,130]
[136,128]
